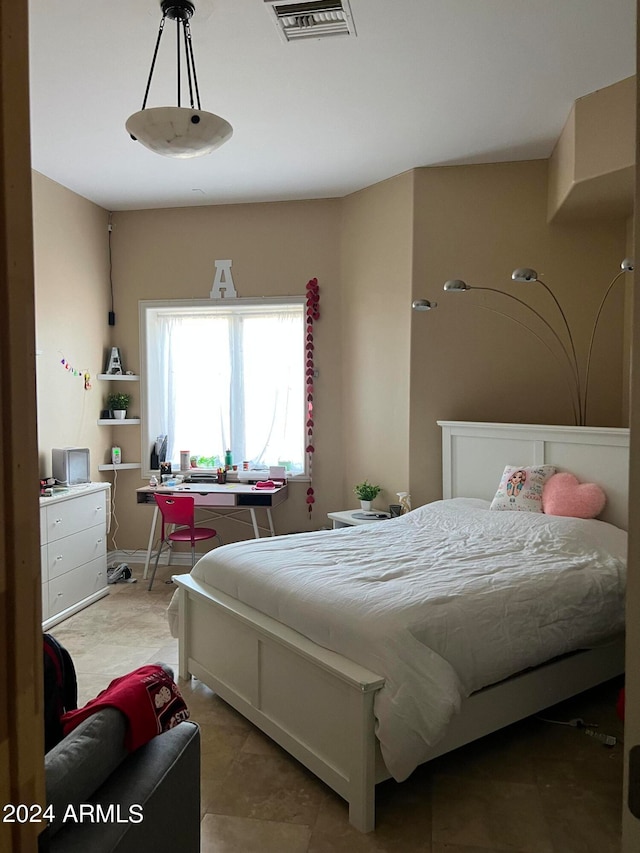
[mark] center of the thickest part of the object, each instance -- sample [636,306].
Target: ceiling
[424,82]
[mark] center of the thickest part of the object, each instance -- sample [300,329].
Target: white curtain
[273,389]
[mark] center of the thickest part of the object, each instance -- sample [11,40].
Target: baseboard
[138,558]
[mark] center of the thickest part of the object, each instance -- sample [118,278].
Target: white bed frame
[318,705]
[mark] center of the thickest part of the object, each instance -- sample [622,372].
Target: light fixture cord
[178,54]
[187,36]
[542,341]
[590,351]
[573,348]
[553,332]
[193,63]
[153,61]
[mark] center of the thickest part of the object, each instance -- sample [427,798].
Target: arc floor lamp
[563,349]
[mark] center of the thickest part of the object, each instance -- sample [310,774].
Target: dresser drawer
[43,524]
[44,568]
[68,517]
[72,551]
[72,587]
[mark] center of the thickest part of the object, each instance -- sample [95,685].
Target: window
[225,375]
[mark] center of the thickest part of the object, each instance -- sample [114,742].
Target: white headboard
[474,456]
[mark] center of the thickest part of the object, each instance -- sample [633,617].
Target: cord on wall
[113,510]
[112,313]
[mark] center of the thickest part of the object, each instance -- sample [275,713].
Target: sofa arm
[77,766]
[151,801]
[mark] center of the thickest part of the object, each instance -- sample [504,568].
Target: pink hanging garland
[313,314]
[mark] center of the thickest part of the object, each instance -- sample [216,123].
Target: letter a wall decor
[223,287]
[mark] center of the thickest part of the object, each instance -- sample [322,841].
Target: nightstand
[346,519]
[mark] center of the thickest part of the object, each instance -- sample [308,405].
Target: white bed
[415,672]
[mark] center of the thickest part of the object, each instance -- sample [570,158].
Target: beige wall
[478,223]
[275,249]
[376,336]
[562,166]
[592,166]
[386,373]
[72,303]
[605,131]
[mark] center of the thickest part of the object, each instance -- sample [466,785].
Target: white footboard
[315,703]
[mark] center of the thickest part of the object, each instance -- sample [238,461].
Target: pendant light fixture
[178,131]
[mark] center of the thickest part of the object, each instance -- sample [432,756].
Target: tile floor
[533,788]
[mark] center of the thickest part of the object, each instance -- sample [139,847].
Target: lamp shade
[456,285]
[179,132]
[524,274]
[423,305]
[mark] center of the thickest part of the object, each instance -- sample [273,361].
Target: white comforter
[441,602]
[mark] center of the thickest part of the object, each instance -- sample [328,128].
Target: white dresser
[73,550]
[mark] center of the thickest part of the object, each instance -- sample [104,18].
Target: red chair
[178,510]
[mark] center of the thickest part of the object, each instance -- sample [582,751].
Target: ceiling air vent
[314,19]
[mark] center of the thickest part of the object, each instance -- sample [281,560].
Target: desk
[231,498]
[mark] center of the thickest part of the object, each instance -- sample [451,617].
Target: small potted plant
[118,404]
[366,492]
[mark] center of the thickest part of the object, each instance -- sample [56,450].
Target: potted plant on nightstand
[366,492]
[118,404]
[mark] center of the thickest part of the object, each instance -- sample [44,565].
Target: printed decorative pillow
[520,489]
[563,494]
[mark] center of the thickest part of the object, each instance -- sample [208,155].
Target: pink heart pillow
[564,495]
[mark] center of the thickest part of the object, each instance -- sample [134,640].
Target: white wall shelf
[119,377]
[120,466]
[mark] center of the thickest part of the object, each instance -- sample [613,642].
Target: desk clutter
[263,478]
[209,469]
